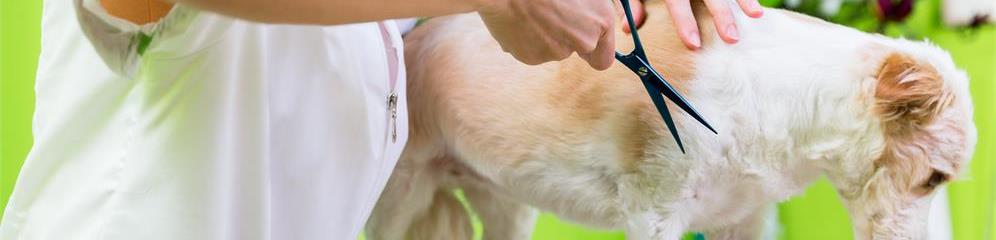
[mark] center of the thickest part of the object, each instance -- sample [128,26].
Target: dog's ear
[908,95]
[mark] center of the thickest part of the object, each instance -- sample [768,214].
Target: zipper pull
[392,105]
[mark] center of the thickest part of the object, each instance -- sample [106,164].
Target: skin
[684,19]
[532,31]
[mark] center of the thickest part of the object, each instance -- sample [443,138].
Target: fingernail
[758,10]
[693,36]
[731,31]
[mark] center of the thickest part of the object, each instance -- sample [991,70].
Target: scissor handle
[638,46]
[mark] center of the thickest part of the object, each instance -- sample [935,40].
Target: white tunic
[219,129]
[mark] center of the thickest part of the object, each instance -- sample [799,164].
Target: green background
[817,214]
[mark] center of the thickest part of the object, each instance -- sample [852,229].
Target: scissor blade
[668,91]
[658,100]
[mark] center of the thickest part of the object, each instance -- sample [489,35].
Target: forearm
[137,11]
[329,12]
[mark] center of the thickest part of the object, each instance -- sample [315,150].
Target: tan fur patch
[634,134]
[909,97]
[578,92]
[663,47]
[585,95]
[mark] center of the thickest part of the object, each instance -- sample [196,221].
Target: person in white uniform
[204,125]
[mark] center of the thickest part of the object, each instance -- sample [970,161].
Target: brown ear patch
[908,95]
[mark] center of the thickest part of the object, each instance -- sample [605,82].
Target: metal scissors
[656,86]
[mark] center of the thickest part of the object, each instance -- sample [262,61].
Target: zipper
[392,65]
[392,105]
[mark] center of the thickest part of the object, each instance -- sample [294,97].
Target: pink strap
[392,54]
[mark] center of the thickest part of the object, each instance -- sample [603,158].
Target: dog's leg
[446,219]
[502,217]
[414,206]
[655,226]
[407,194]
[751,227]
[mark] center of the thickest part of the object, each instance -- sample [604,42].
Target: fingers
[688,28]
[585,39]
[604,55]
[639,14]
[723,19]
[751,7]
[556,51]
[552,30]
[553,51]
[597,45]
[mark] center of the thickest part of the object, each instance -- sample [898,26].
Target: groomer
[249,119]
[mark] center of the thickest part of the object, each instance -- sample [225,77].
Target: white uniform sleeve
[119,42]
[405,25]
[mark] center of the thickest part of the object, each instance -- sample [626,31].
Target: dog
[887,121]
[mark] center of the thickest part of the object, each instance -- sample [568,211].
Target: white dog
[886,120]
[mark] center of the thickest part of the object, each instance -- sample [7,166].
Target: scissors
[656,86]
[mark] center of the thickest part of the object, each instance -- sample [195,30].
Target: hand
[684,20]
[538,31]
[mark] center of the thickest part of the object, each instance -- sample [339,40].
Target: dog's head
[923,137]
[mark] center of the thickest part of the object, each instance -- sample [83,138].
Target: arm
[330,12]
[324,12]
[533,31]
[137,11]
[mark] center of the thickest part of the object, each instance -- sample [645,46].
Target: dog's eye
[936,179]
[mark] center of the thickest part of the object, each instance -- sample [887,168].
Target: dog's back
[483,100]
[475,111]
[587,145]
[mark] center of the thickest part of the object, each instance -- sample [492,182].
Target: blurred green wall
[20,22]
[815,215]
